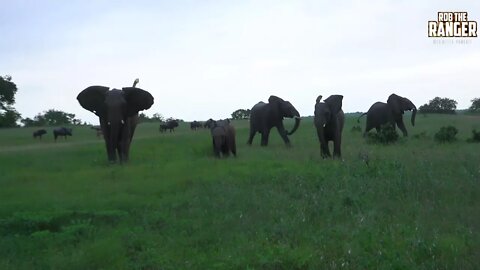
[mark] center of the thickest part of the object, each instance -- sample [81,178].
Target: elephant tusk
[324,125]
[123,122]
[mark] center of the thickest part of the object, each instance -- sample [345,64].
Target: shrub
[387,135]
[475,136]
[446,134]
[356,128]
[421,135]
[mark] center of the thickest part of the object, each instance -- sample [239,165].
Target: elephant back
[219,131]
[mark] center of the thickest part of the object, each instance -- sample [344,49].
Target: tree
[439,105]
[155,118]
[158,117]
[51,118]
[9,118]
[58,118]
[8,89]
[241,114]
[475,107]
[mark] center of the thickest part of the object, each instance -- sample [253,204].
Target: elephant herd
[118,109]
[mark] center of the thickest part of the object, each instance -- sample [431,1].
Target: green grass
[410,205]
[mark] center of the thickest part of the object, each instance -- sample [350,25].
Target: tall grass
[412,204]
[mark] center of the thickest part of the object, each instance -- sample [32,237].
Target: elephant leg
[232,146]
[265,134]
[401,126]
[337,142]
[325,152]
[250,138]
[283,134]
[225,149]
[216,147]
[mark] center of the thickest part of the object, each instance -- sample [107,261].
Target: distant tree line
[439,105]
[51,118]
[9,117]
[241,114]
[156,117]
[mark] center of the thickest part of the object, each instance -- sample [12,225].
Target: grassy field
[411,205]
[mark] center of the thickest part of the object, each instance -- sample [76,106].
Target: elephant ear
[275,99]
[395,103]
[93,99]
[334,102]
[137,100]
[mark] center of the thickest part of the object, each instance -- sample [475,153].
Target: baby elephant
[329,120]
[223,138]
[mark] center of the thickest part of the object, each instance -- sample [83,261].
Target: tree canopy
[241,114]
[52,118]
[156,117]
[439,105]
[8,115]
[8,89]
[475,107]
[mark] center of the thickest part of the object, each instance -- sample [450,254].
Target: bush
[388,134]
[356,129]
[446,134]
[475,136]
[421,135]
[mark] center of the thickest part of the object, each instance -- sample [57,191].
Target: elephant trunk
[322,140]
[113,140]
[295,127]
[414,113]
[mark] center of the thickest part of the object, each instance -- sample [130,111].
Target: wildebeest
[195,125]
[39,133]
[63,131]
[170,124]
[98,129]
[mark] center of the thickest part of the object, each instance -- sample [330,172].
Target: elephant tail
[358,119]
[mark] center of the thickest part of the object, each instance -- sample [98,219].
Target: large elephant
[329,119]
[264,116]
[118,114]
[391,112]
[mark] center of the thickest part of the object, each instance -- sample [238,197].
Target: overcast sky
[203,59]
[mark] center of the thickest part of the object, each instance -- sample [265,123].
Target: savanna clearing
[410,205]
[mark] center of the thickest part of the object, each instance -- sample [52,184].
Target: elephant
[391,112]
[63,131]
[170,124]
[329,120]
[264,116]
[223,138]
[118,114]
[39,133]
